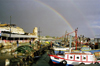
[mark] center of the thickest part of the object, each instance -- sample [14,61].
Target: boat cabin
[85,57]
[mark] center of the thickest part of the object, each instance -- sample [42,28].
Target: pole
[76,37]
[70,43]
[65,38]
[10,29]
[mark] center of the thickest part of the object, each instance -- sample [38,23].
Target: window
[84,57]
[77,57]
[71,57]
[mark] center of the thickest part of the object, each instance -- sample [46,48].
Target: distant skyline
[54,17]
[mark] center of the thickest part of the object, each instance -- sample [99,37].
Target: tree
[47,36]
[53,37]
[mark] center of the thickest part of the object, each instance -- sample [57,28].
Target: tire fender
[64,62]
[96,63]
[81,64]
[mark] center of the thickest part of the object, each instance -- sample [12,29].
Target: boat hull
[58,59]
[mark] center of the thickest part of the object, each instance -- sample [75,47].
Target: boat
[62,46]
[73,58]
[61,49]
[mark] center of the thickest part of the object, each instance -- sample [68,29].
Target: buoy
[96,62]
[81,64]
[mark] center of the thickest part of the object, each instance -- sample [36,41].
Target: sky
[53,17]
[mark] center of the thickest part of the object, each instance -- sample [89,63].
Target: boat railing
[79,53]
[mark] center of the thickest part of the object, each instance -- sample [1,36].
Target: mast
[70,44]
[65,37]
[76,37]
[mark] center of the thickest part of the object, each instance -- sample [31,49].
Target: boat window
[71,57]
[84,57]
[77,57]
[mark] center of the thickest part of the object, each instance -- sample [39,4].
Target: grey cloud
[32,13]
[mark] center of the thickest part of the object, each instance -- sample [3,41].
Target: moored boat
[71,57]
[74,58]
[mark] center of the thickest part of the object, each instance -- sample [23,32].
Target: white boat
[74,58]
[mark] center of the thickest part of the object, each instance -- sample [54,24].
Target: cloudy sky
[54,17]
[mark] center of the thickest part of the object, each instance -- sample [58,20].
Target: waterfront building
[12,33]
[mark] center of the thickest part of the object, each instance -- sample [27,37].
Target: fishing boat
[63,46]
[73,58]
[61,49]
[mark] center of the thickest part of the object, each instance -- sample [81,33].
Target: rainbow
[55,13]
[79,11]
